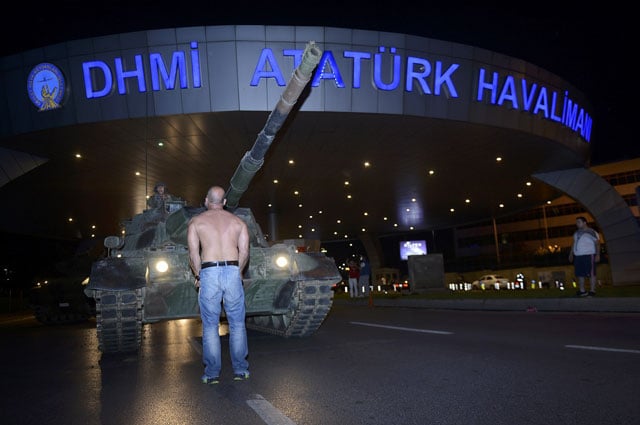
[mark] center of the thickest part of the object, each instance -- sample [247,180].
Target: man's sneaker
[241,376]
[210,381]
[591,294]
[582,293]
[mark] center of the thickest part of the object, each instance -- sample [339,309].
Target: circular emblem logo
[46,86]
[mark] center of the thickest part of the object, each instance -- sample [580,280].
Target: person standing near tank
[585,253]
[354,276]
[218,252]
[365,274]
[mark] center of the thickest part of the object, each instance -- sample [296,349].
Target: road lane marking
[269,414]
[590,347]
[400,328]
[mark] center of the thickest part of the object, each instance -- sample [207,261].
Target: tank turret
[145,276]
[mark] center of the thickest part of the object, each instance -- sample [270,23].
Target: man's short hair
[581,218]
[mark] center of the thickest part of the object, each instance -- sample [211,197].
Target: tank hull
[287,293]
[146,277]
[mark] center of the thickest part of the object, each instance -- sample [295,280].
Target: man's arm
[193,242]
[243,246]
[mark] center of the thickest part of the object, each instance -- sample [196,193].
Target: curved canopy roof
[362,157]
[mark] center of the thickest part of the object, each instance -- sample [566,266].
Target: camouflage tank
[146,277]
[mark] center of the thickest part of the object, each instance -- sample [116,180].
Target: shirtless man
[218,252]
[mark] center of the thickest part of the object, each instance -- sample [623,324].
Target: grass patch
[601,292]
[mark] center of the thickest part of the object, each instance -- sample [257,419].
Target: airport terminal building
[411,102]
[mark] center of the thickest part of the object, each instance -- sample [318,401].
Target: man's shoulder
[592,232]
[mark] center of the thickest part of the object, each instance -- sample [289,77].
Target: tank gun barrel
[252,160]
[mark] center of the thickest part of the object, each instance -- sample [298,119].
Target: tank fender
[115,274]
[315,266]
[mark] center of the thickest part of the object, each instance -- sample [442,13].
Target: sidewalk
[587,304]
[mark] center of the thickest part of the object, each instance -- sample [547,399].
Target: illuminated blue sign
[437,79]
[46,86]
[389,72]
[99,77]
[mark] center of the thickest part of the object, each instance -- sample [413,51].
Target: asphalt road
[365,365]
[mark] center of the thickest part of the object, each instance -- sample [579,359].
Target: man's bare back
[217,234]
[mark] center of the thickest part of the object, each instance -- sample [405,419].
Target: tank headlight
[282,261]
[162,266]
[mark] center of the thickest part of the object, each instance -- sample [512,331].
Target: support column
[619,227]
[273,225]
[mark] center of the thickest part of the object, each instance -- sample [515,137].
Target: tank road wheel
[310,304]
[119,320]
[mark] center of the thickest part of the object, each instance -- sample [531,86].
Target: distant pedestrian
[365,275]
[585,253]
[354,276]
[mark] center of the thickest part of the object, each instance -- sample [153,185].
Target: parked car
[340,287]
[490,281]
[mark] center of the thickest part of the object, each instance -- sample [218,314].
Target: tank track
[310,303]
[119,320]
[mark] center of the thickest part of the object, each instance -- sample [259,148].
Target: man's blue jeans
[222,284]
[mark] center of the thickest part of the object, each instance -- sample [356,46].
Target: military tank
[145,276]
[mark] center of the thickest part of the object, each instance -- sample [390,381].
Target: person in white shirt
[585,253]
